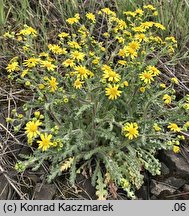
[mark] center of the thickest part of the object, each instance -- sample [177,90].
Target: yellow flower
[155,13]
[37,114]
[146,25]
[129,13]
[96,60]
[12,67]
[73,20]
[174,127]
[91,17]
[131,130]
[106,34]
[142,89]
[176,149]
[53,84]
[139,29]
[74,44]
[174,80]
[23,74]
[156,127]
[66,100]
[82,72]
[150,7]
[45,142]
[134,45]
[126,84]
[27,83]
[160,26]
[113,92]
[167,99]
[9,35]
[129,51]
[32,129]
[153,70]
[147,77]
[48,65]
[172,39]
[68,63]
[31,62]
[120,39]
[19,38]
[108,11]
[63,35]
[28,31]
[186,125]
[162,85]
[122,62]
[140,37]
[122,52]
[41,86]
[77,55]
[111,76]
[139,12]
[56,49]
[78,84]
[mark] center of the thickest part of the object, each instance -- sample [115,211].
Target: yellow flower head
[176,149]
[122,62]
[139,12]
[63,35]
[28,31]
[134,45]
[48,65]
[12,67]
[174,127]
[129,51]
[159,25]
[56,49]
[112,92]
[72,20]
[91,17]
[68,63]
[147,77]
[77,55]
[111,76]
[31,62]
[131,130]
[149,7]
[167,99]
[153,70]
[156,127]
[32,129]
[162,85]
[78,84]
[108,11]
[82,72]
[74,45]
[142,89]
[174,80]
[52,84]
[45,142]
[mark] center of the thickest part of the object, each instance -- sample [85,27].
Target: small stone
[157,188]
[175,182]
[4,188]
[176,163]
[153,197]
[164,169]
[44,192]
[143,193]
[186,188]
